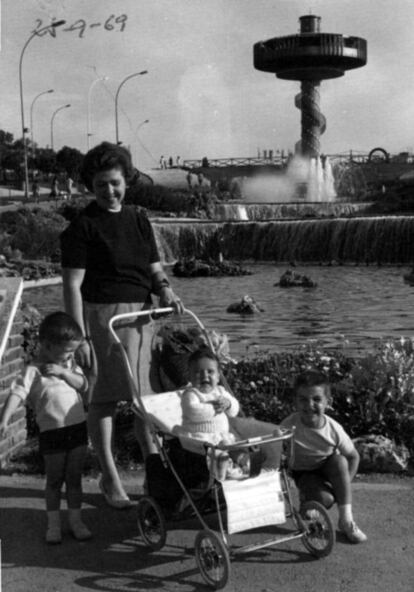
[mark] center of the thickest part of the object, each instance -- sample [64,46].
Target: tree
[70,159]
[6,138]
[45,160]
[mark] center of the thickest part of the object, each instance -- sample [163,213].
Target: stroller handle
[149,312]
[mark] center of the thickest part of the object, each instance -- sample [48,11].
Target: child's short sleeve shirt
[312,447]
[55,403]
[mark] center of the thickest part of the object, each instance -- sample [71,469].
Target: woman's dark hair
[59,328]
[200,354]
[103,157]
[312,377]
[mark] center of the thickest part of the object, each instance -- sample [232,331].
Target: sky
[201,95]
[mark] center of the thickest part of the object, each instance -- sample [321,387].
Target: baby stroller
[185,480]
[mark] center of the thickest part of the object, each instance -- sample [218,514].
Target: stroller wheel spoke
[151,523]
[319,534]
[212,558]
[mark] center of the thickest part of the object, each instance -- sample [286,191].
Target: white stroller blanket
[254,502]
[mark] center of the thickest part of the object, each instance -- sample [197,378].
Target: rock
[409,278]
[381,454]
[196,268]
[247,305]
[291,279]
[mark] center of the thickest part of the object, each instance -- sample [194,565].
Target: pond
[360,304]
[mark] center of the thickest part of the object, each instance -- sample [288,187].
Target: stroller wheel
[151,523]
[319,534]
[212,558]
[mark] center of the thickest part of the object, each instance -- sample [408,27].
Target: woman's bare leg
[101,429]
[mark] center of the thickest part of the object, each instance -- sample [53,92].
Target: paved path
[116,560]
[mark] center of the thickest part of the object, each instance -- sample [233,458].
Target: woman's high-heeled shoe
[120,503]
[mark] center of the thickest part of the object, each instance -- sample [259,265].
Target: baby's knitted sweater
[199,414]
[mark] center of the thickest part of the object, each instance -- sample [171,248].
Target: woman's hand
[84,355]
[168,298]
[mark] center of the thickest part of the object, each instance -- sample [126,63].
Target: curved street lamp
[116,100]
[45,92]
[52,120]
[136,135]
[88,119]
[140,125]
[36,33]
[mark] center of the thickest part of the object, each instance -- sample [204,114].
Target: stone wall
[11,363]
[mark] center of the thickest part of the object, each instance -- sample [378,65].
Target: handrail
[11,316]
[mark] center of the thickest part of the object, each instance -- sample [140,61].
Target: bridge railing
[281,160]
[237,161]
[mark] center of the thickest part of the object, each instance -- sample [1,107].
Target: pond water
[362,304]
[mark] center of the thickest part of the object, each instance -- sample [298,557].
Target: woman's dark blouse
[115,249]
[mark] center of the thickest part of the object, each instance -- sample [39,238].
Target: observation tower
[310,57]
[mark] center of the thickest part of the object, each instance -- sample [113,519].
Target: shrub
[69,210]
[264,382]
[157,197]
[33,232]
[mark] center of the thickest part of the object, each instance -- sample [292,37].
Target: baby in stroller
[207,407]
[209,414]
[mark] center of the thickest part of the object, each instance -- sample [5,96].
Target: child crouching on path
[325,457]
[54,386]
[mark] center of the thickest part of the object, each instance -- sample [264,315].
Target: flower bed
[373,394]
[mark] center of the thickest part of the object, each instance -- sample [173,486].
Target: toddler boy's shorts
[63,439]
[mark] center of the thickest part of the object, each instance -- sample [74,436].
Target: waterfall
[183,239]
[382,240]
[230,211]
[242,212]
[268,211]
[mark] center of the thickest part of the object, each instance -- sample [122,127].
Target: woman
[110,266]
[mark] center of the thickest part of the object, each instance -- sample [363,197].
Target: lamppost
[45,92]
[88,129]
[37,33]
[140,125]
[52,120]
[136,135]
[116,100]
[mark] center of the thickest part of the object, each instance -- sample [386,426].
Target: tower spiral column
[310,57]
